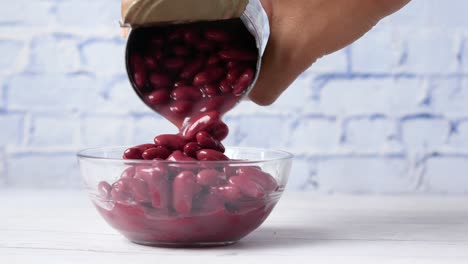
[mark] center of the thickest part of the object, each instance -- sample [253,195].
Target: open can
[150,13]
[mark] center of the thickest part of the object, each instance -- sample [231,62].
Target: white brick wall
[386,115]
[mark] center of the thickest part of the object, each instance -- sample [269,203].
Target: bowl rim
[81,154]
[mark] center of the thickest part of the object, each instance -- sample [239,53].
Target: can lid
[145,12]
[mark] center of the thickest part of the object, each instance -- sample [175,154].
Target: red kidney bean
[255,174]
[137,63]
[211,155]
[188,93]
[237,55]
[174,64]
[158,97]
[229,193]
[217,35]
[213,60]
[120,191]
[210,90]
[191,148]
[183,187]
[209,203]
[244,81]
[144,147]
[203,122]
[157,40]
[248,187]
[181,83]
[151,63]
[208,76]
[133,153]
[104,190]
[160,80]
[192,37]
[205,46]
[158,54]
[180,50]
[220,131]
[179,156]
[180,107]
[173,142]
[211,177]
[140,79]
[157,180]
[206,141]
[225,86]
[189,71]
[156,153]
[176,36]
[128,172]
[233,75]
[139,190]
[214,103]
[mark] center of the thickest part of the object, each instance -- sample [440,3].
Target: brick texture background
[386,115]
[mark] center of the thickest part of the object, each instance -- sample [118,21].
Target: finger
[275,76]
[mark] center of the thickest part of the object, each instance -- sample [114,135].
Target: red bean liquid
[191,75]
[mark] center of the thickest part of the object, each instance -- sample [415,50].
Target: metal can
[147,13]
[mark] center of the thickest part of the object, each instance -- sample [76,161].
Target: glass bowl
[185,204]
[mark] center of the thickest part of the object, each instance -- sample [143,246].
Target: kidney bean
[205,46]
[173,142]
[139,190]
[255,174]
[225,86]
[213,60]
[137,63]
[181,107]
[157,41]
[209,203]
[229,193]
[217,35]
[176,35]
[248,187]
[237,55]
[144,147]
[156,153]
[120,191]
[158,97]
[180,50]
[208,76]
[220,131]
[183,187]
[211,177]
[104,190]
[128,172]
[210,90]
[244,81]
[213,103]
[203,122]
[192,37]
[210,155]
[188,93]
[233,75]
[133,153]
[181,83]
[179,156]
[174,64]
[206,141]
[156,177]
[191,148]
[160,80]
[140,79]
[189,71]
[151,63]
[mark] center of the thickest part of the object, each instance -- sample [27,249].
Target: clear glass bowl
[185,204]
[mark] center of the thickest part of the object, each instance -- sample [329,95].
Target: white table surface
[63,227]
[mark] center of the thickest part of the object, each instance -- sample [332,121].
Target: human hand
[303,31]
